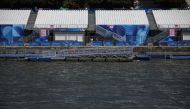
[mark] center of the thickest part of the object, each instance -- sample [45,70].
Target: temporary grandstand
[172,18]
[12,25]
[121,17]
[113,27]
[14,17]
[177,23]
[63,25]
[62,19]
[125,26]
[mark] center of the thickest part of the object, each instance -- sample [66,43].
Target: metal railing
[71,52]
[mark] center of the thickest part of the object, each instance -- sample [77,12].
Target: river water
[155,84]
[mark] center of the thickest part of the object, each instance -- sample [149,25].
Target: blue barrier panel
[188,43]
[45,44]
[121,44]
[96,43]
[2,39]
[77,43]
[37,39]
[169,39]
[44,39]
[107,43]
[17,39]
[1,32]
[41,39]
[3,43]
[56,43]
[180,43]
[64,43]
[17,44]
[70,43]
[34,44]
[172,41]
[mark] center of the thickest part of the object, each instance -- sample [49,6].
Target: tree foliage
[77,4]
[171,3]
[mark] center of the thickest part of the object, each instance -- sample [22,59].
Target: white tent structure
[14,17]
[62,19]
[121,17]
[172,18]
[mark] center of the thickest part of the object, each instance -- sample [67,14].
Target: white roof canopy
[121,17]
[62,19]
[11,17]
[172,18]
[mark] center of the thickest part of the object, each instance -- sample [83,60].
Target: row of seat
[179,18]
[59,18]
[79,18]
[123,17]
[14,17]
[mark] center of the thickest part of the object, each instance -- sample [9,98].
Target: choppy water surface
[95,85]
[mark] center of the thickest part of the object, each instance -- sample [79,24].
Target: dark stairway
[31,21]
[152,21]
[91,21]
[158,37]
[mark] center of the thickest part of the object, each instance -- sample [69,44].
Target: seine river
[155,84]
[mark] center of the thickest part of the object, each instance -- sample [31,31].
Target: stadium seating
[62,19]
[121,17]
[172,18]
[14,17]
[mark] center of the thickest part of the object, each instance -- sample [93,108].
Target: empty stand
[62,19]
[121,17]
[172,18]
[14,17]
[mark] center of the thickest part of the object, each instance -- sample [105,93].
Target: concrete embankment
[180,50]
[95,54]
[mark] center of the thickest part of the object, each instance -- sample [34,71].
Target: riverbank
[95,54]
